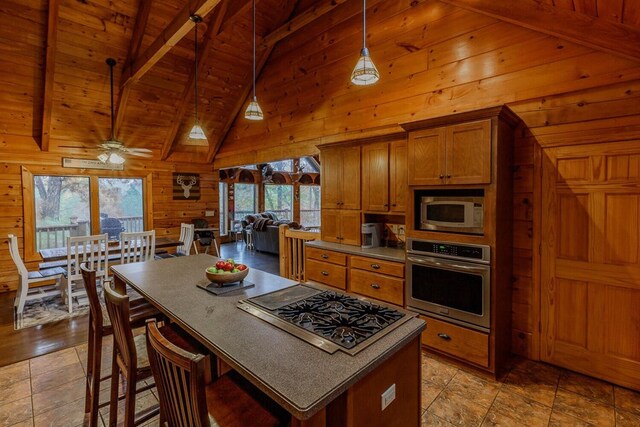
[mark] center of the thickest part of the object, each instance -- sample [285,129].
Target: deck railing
[55,236]
[292,252]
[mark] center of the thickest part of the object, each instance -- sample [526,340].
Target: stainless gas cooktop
[328,319]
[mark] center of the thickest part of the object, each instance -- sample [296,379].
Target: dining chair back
[186,237]
[27,278]
[83,249]
[180,380]
[137,246]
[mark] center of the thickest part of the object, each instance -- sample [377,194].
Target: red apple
[220,265]
[241,267]
[227,266]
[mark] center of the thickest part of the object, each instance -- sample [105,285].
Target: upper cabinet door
[350,180]
[426,157]
[375,177]
[468,153]
[331,177]
[398,176]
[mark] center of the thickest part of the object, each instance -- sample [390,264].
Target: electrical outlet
[388,396]
[394,228]
[210,213]
[401,230]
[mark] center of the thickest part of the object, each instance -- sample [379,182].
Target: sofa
[266,239]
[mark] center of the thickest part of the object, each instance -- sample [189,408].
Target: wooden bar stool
[230,401]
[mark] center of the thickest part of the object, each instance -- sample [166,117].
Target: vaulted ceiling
[55,87]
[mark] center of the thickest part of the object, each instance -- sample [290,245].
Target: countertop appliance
[450,281]
[454,214]
[328,319]
[371,234]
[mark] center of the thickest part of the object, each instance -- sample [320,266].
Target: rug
[48,310]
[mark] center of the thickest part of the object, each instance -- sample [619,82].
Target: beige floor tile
[54,379]
[429,392]
[53,361]
[437,372]
[627,419]
[431,420]
[559,419]
[538,385]
[25,423]
[481,390]
[68,415]
[457,409]
[144,400]
[15,391]
[15,412]
[587,386]
[59,396]
[14,373]
[511,409]
[627,400]
[588,410]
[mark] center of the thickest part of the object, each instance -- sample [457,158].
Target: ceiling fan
[112,148]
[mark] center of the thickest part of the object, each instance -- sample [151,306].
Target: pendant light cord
[364,23]
[254,50]
[196,70]
[112,62]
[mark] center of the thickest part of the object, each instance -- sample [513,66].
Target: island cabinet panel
[468,153]
[326,273]
[426,157]
[375,177]
[378,286]
[328,256]
[398,176]
[378,266]
[470,345]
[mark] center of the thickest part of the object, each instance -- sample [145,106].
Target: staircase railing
[292,251]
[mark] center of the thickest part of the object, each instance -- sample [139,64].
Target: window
[309,165]
[282,166]
[121,206]
[310,205]
[279,200]
[62,209]
[223,191]
[245,200]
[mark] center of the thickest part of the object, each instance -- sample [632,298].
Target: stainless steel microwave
[452,214]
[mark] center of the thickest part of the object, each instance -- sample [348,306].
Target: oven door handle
[449,265]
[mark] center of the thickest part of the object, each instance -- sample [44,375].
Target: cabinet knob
[448,176]
[324,256]
[375,266]
[444,336]
[375,286]
[441,176]
[325,273]
[394,205]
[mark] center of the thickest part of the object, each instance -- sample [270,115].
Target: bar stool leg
[115,379]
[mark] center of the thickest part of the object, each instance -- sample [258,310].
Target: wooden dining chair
[82,249]
[185,400]
[100,327]
[137,246]
[26,278]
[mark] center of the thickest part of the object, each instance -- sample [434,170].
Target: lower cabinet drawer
[466,344]
[328,256]
[378,266]
[323,272]
[378,286]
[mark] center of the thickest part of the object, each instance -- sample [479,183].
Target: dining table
[310,383]
[113,247]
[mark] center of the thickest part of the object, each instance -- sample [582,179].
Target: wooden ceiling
[55,81]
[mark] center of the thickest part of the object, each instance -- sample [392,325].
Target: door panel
[331,178]
[398,176]
[351,227]
[426,157]
[590,275]
[375,177]
[330,230]
[350,184]
[468,157]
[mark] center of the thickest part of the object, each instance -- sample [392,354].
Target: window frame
[319,210]
[256,201]
[29,205]
[291,186]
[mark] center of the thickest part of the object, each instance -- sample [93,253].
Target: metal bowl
[227,278]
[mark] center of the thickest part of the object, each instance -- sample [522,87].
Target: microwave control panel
[450,250]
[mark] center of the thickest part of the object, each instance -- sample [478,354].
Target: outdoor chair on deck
[27,278]
[185,400]
[137,246]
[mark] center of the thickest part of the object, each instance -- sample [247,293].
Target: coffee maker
[371,234]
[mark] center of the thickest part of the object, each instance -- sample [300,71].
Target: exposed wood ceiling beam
[49,70]
[214,148]
[596,33]
[169,37]
[134,48]
[301,20]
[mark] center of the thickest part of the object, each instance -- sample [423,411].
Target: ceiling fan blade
[134,153]
[138,150]
[79,147]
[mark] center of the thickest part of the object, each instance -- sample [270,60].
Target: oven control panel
[449,250]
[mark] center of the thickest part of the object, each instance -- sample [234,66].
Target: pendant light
[253,111]
[196,131]
[365,72]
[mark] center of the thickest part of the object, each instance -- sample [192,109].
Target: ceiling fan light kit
[365,72]
[253,111]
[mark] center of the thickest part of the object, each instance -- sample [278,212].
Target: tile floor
[49,391]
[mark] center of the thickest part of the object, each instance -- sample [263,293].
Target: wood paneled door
[591,260]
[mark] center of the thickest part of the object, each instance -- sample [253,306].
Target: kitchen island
[316,387]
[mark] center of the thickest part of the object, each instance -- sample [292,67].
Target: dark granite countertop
[388,254]
[299,376]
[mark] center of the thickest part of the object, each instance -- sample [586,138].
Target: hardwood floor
[27,343]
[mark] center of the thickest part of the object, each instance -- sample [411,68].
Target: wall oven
[450,281]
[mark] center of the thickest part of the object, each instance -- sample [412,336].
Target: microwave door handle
[449,265]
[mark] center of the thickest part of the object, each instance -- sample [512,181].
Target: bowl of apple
[226,271]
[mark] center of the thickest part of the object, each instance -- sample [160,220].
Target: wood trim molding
[596,33]
[148,201]
[169,37]
[49,70]
[28,215]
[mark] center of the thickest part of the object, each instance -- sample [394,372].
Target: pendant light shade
[253,111]
[196,131]
[365,72]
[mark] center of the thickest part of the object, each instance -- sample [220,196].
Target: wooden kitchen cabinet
[341,226]
[340,176]
[384,177]
[451,155]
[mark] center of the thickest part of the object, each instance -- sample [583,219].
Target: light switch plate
[401,230]
[209,213]
[388,396]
